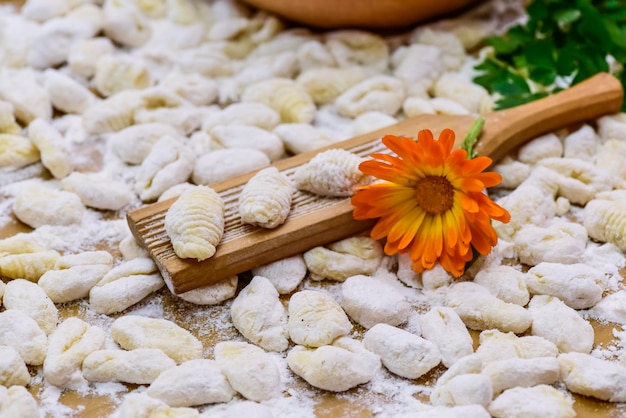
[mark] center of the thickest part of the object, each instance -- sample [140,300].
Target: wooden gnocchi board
[316,220]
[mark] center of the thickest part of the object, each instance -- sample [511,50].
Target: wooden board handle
[509,128]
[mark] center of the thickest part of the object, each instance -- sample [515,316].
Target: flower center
[434,194]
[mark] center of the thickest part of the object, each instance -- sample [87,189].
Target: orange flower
[432,203]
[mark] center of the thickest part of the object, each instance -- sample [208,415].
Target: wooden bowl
[379,14]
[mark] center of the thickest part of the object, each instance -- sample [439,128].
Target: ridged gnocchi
[334,172]
[29,99]
[8,124]
[324,85]
[97,190]
[265,200]
[55,154]
[248,137]
[16,152]
[195,223]
[141,366]
[380,92]
[223,164]
[29,266]
[66,94]
[168,163]
[287,97]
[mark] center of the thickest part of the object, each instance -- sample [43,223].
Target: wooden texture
[315,220]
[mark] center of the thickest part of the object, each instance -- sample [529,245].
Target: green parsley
[562,43]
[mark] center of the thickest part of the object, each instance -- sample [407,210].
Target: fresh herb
[562,43]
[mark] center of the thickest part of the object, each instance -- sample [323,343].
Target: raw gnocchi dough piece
[578,285]
[338,367]
[125,285]
[194,382]
[16,152]
[414,106]
[324,85]
[141,366]
[223,164]
[560,324]
[590,376]
[544,146]
[68,346]
[342,259]
[401,352]
[352,47]
[125,24]
[496,345]
[418,65]
[453,51]
[259,316]
[13,370]
[579,181]
[265,200]
[371,121]
[168,163]
[29,99]
[334,172]
[250,370]
[301,137]
[37,205]
[372,300]
[529,203]
[29,266]
[316,319]
[581,143]
[140,405]
[443,327]
[162,105]
[506,283]
[195,223]
[133,144]
[53,38]
[20,331]
[513,172]
[541,401]
[17,402]
[382,93]
[463,389]
[55,154]
[212,294]
[250,137]
[611,308]
[97,191]
[112,114]
[605,221]
[29,298]
[134,331]
[175,191]
[85,53]
[519,372]
[561,242]
[246,409]
[74,275]
[288,98]
[193,87]
[480,310]
[285,274]
[42,11]
[313,55]
[461,89]
[244,113]
[66,94]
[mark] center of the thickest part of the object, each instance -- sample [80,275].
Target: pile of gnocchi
[108,105]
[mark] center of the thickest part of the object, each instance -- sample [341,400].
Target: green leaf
[566,17]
